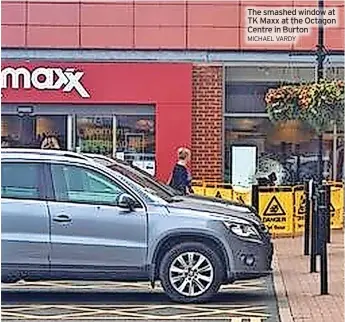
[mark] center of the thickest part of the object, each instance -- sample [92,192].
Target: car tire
[205,282]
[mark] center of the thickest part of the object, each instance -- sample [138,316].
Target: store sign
[44,79]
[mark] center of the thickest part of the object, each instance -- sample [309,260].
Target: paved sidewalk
[298,291]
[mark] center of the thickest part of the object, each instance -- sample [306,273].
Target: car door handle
[62,218]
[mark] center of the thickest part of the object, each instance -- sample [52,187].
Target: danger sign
[218,195]
[218,192]
[274,208]
[276,211]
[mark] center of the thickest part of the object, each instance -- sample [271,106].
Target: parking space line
[106,312]
[243,285]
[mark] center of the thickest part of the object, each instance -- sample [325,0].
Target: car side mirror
[125,201]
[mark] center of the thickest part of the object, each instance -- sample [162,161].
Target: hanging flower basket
[317,105]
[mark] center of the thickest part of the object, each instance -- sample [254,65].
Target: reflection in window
[288,150]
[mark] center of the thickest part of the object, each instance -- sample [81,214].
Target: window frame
[127,190]
[43,188]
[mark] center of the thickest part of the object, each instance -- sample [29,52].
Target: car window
[79,184]
[20,180]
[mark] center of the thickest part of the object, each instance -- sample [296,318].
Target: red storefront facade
[165,86]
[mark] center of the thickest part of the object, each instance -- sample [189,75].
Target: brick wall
[207,123]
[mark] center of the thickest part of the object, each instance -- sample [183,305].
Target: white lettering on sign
[44,78]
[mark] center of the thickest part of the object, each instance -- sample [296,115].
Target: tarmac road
[247,301]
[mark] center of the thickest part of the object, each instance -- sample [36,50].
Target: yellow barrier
[300,202]
[282,209]
[198,188]
[337,206]
[223,191]
[244,197]
[276,208]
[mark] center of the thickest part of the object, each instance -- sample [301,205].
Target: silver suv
[69,218]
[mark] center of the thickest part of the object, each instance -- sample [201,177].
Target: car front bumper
[250,259]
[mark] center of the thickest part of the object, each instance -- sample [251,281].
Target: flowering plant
[315,104]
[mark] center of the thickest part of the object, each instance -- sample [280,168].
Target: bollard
[314,226]
[328,213]
[322,213]
[307,192]
[255,197]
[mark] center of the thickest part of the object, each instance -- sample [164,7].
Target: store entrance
[31,131]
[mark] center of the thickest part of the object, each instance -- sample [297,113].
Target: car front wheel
[191,273]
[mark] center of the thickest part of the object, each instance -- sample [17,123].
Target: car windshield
[163,191]
[99,158]
[147,194]
[147,182]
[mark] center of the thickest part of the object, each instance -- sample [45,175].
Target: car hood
[230,203]
[218,209]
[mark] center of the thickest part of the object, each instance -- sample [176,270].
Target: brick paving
[301,289]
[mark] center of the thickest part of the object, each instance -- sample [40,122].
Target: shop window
[95,134]
[134,141]
[246,97]
[31,131]
[135,138]
[289,151]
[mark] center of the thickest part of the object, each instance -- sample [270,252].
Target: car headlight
[242,229]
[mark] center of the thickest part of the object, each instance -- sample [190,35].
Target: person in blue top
[180,178]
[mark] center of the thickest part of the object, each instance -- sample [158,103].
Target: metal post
[320,46]
[255,197]
[314,225]
[328,213]
[323,239]
[307,193]
[322,206]
[335,139]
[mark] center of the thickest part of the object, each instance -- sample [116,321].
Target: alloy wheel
[191,274]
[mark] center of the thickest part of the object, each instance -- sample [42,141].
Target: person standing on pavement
[180,178]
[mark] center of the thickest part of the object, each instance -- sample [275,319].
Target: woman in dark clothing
[180,178]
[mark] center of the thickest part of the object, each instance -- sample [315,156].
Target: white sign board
[243,165]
